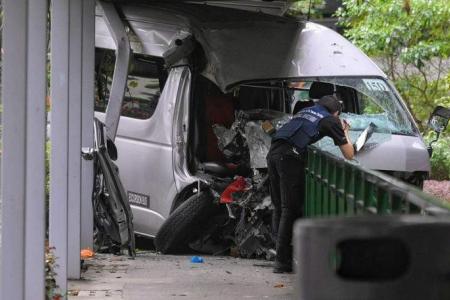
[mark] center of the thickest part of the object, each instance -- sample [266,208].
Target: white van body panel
[145,157]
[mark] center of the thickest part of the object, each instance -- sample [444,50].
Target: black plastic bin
[372,257]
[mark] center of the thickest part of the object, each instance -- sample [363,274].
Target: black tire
[185,223]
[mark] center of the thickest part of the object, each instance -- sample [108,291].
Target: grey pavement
[156,276]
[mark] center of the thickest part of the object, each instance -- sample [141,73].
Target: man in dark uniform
[286,162]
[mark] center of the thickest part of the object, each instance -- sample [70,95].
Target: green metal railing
[336,187]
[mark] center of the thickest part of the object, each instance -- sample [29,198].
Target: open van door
[119,81]
[113,218]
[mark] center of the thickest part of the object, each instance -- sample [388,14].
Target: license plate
[139,199]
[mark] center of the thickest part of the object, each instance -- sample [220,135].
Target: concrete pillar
[59,169]
[23,157]
[74,138]
[87,124]
[72,91]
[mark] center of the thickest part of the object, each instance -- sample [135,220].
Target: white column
[60,129]
[87,115]
[23,157]
[74,138]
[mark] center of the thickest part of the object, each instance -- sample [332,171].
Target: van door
[144,137]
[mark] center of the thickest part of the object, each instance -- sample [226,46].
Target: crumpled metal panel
[258,144]
[147,38]
[242,46]
[155,38]
[224,135]
[277,50]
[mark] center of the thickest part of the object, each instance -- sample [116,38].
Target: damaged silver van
[176,82]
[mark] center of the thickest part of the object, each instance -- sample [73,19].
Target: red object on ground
[86,253]
[236,186]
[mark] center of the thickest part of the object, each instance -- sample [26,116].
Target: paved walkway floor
[155,276]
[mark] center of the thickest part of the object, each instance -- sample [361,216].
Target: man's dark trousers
[287,188]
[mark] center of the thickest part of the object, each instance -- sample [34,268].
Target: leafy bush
[440,161]
[312,7]
[51,288]
[420,106]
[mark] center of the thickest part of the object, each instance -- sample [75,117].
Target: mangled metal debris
[240,218]
[247,222]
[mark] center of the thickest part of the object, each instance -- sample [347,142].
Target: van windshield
[365,101]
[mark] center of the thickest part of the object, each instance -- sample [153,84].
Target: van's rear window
[145,82]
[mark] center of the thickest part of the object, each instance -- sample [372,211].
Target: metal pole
[87,124]
[60,129]
[23,167]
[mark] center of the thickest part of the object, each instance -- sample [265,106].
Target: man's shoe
[282,268]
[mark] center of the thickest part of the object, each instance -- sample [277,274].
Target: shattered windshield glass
[365,101]
[377,104]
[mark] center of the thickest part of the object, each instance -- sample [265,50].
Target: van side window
[146,80]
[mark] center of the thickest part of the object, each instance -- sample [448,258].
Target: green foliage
[301,7]
[414,31]
[421,106]
[411,38]
[440,161]
[51,288]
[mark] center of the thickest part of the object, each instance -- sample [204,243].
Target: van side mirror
[439,119]
[438,122]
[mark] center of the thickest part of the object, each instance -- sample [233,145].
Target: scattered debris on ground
[155,276]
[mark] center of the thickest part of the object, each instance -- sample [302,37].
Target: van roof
[242,45]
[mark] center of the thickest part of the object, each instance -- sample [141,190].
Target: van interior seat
[219,109]
[218,169]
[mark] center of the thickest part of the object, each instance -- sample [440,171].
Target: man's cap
[331,103]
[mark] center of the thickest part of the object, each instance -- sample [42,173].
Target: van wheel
[185,223]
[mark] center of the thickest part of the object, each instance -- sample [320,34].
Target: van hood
[242,45]
[386,152]
[400,153]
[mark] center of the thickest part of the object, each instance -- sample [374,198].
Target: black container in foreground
[372,257]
